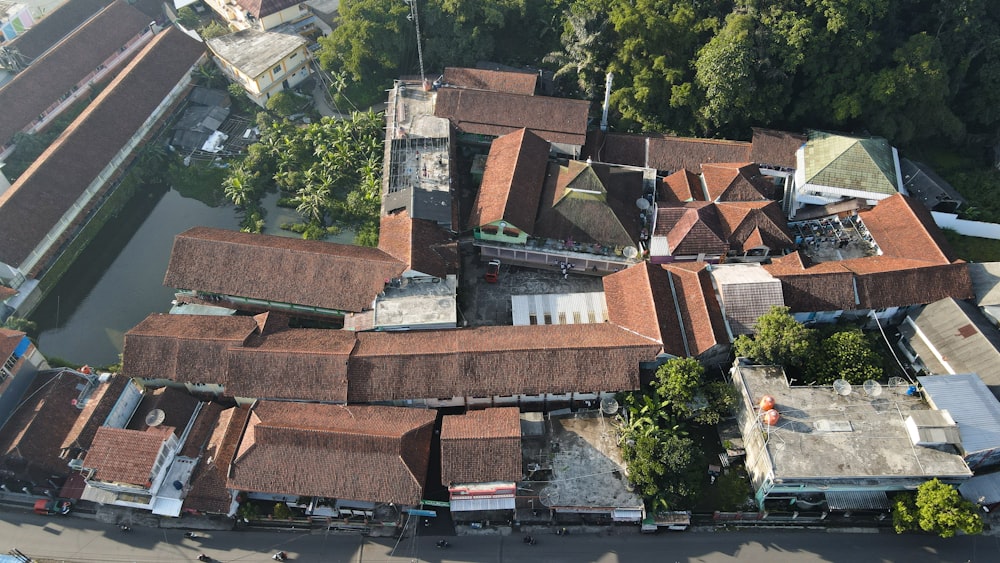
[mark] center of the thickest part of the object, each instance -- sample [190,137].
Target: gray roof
[971,405]
[254,52]
[986,282]
[856,163]
[926,186]
[826,437]
[984,489]
[961,336]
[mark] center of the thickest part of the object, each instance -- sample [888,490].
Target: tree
[187,17]
[24,325]
[846,354]
[212,30]
[778,339]
[586,51]
[283,103]
[678,382]
[938,508]
[660,468]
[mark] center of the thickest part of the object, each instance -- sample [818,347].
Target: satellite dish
[842,387]
[897,384]
[642,203]
[630,252]
[872,388]
[609,405]
[155,417]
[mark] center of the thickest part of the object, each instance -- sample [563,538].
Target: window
[511,232]
[293,55]
[277,70]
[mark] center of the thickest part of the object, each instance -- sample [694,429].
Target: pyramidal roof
[855,163]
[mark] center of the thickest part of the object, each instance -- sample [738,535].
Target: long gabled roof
[208,492]
[254,52]
[494,80]
[126,456]
[496,360]
[55,26]
[557,120]
[674,304]
[43,83]
[377,454]
[53,184]
[857,163]
[775,148]
[264,8]
[481,446]
[333,276]
[512,182]
[960,334]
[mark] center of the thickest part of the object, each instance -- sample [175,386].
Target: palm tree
[239,187]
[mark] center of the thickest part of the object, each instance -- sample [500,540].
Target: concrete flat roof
[824,435]
[418,303]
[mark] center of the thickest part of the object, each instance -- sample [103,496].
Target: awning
[626,515]
[857,500]
[167,506]
[466,504]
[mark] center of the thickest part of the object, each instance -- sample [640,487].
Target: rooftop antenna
[842,387]
[872,388]
[415,18]
[898,384]
[155,417]
[607,99]
[609,405]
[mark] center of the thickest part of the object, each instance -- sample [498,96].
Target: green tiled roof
[854,163]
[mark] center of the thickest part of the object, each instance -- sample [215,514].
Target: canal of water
[118,280]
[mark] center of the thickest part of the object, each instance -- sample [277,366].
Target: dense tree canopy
[904,69]
[778,339]
[938,508]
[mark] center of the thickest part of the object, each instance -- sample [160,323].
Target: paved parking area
[488,304]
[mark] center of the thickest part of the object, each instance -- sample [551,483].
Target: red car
[492,271]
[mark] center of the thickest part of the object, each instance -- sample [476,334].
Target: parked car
[61,506]
[492,271]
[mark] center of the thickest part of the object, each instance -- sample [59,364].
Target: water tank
[766,403]
[771,417]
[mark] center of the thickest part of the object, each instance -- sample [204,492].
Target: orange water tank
[86,370]
[766,403]
[771,417]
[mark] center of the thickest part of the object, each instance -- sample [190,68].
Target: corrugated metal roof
[857,500]
[971,405]
[982,489]
[470,504]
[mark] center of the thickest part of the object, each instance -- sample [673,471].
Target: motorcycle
[280,556]
[191,535]
[203,557]
[125,529]
[443,543]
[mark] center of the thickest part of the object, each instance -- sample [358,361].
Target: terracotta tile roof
[420,244]
[183,348]
[639,299]
[739,181]
[557,120]
[43,194]
[9,339]
[775,148]
[287,364]
[590,204]
[332,276]
[692,228]
[498,360]
[204,424]
[209,491]
[903,227]
[34,89]
[126,456]
[95,412]
[676,153]
[704,325]
[892,282]
[55,26]
[512,181]
[377,454]
[751,224]
[682,186]
[30,440]
[292,364]
[263,8]
[495,80]
[481,446]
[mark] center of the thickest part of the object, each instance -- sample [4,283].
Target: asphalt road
[80,540]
